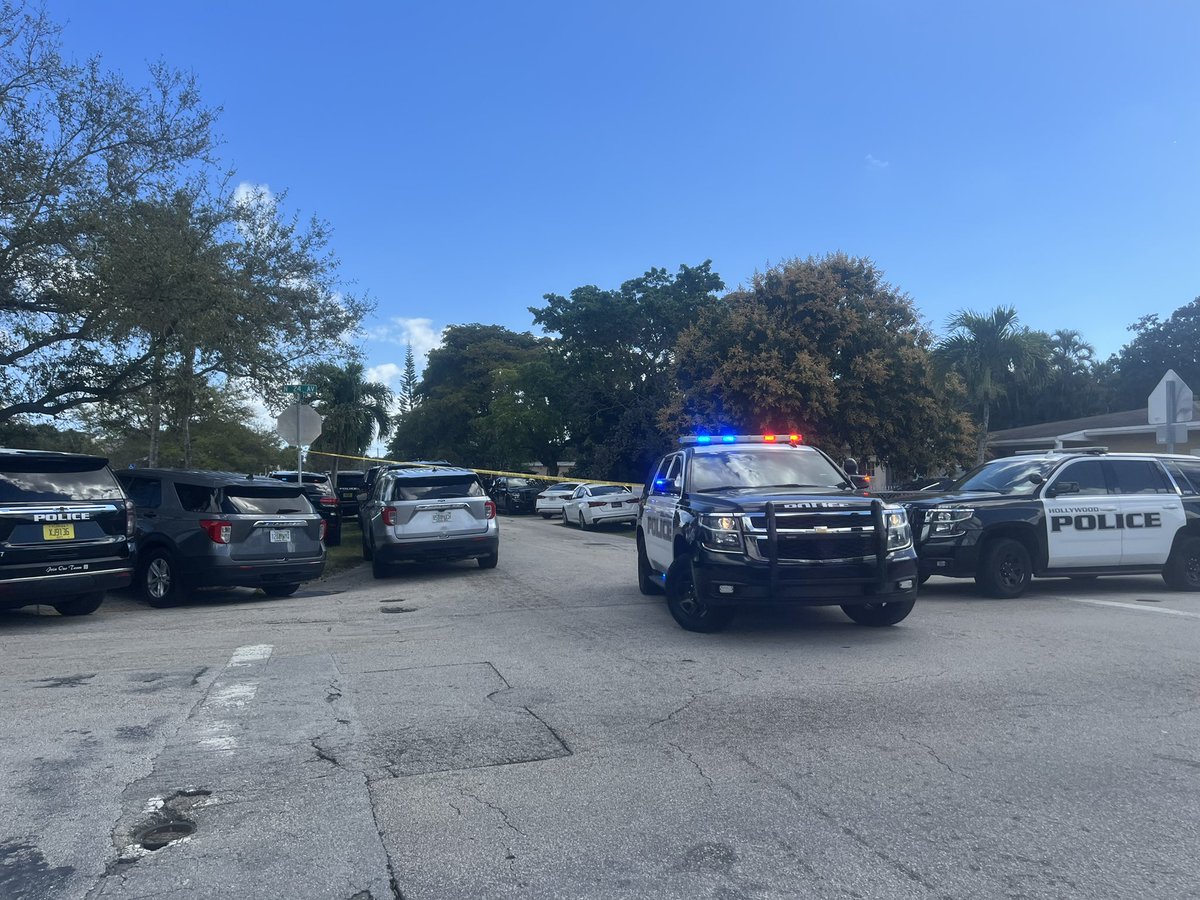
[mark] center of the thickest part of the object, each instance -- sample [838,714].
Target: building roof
[1130,421]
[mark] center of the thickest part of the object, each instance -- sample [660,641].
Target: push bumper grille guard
[881,568]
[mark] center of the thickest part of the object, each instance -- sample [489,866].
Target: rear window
[20,485]
[249,501]
[439,487]
[608,489]
[350,479]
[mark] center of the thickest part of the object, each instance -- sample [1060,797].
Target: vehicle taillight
[130,519]
[329,501]
[219,531]
[489,509]
[324,528]
[594,503]
[389,515]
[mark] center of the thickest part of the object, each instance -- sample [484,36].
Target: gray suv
[421,513]
[219,529]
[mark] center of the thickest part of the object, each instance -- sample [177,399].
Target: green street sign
[299,388]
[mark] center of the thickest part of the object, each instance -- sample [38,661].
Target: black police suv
[514,495]
[728,522]
[1078,513]
[65,531]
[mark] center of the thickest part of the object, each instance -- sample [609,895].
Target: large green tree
[354,408]
[991,352]
[826,347]
[1157,345]
[616,350]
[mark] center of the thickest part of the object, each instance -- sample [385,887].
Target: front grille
[817,535]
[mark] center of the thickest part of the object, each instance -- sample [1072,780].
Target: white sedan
[591,504]
[550,501]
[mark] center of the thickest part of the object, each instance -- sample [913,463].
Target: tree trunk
[155,412]
[187,402]
[983,432]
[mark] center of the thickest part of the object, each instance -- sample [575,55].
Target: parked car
[514,495]
[550,501]
[65,531]
[591,504]
[429,513]
[218,529]
[319,490]
[372,473]
[347,484]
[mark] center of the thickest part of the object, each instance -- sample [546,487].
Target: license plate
[441,516]
[58,532]
[281,535]
[616,503]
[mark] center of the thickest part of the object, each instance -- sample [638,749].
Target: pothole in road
[160,835]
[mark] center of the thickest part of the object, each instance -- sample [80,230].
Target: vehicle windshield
[760,467]
[65,485]
[251,501]
[1006,476]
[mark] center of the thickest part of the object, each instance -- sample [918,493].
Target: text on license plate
[58,532]
[441,516]
[615,504]
[281,535]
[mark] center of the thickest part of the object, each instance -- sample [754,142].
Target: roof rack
[1092,451]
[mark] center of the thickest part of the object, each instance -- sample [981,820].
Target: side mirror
[850,466]
[861,482]
[1064,487]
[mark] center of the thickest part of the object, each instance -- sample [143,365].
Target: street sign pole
[299,452]
[302,391]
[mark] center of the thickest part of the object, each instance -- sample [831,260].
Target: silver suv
[209,529]
[428,512]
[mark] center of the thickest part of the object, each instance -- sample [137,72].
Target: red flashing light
[796,438]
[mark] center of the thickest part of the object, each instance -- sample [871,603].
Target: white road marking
[1140,607]
[244,656]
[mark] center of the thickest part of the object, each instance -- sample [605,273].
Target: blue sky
[472,157]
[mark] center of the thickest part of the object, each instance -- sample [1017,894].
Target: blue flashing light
[729,438]
[704,439]
[659,482]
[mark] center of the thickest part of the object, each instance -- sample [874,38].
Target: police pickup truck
[1078,513]
[732,521]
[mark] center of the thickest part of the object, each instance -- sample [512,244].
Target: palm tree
[1069,352]
[990,352]
[352,406]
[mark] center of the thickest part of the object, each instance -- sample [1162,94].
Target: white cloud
[876,164]
[403,331]
[247,192]
[387,373]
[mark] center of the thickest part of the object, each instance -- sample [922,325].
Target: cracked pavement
[542,730]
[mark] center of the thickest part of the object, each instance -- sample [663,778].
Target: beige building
[1120,431]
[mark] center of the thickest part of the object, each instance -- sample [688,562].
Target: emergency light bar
[701,440]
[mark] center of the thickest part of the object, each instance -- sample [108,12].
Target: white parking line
[244,656]
[1140,607]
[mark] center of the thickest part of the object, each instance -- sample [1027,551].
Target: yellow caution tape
[554,478]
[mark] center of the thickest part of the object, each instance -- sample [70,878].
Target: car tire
[380,569]
[648,583]
[80,604]
[489,561]
[280,590]
[878,615]
[158,581]
[1182,571]
[368,552]
[1005,569]
[686,608]
[583,525]
[547,515]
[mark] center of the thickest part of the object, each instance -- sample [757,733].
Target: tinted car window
[350,479]
[1138,476]
[18,486]
[762,467]
[146,492]
[608,489]
[260,502]
[439,487]
[1187,475]
[197,497]
[1088,473]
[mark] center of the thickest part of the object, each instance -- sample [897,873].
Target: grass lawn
[348,553]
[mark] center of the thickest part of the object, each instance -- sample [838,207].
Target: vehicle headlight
[899,533]
[723,532]
[946,521]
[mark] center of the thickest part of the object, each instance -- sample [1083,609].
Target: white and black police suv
[733,521]
[1077,513]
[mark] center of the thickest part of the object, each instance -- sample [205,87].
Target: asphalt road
[542,730]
